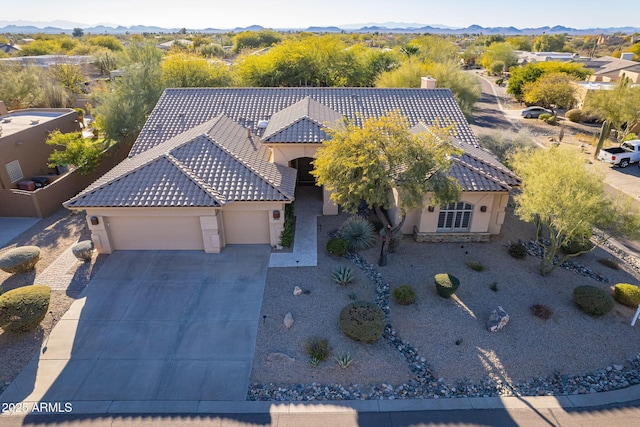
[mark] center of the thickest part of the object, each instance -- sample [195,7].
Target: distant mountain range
[56,27]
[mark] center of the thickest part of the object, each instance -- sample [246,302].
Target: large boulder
[20,259]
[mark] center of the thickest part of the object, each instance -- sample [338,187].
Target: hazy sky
[197,14]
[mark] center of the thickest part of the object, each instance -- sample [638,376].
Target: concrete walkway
[308,207]
[154,329]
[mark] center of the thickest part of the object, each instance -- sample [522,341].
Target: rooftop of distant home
[19,120]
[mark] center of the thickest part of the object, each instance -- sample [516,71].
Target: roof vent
[262,124]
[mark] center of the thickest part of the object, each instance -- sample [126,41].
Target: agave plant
[342,276]
[359,233]
[344,360]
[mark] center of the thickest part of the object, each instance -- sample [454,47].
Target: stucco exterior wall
[490,221]
[28,144]
[282,154]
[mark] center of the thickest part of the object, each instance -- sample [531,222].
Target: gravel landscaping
[440,347]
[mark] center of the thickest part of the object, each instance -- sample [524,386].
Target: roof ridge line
[481,172]
[195,179]
[243,163]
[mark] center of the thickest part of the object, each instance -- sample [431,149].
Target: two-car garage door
[184,232]
[155,233]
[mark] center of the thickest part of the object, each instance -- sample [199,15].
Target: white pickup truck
[623,156]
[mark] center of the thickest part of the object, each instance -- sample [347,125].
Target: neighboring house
[610,69]
[24,156]
[525,57]
[168,45]
[217,166]
[9,48]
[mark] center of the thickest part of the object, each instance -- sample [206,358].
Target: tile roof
[209,165]
[181,109]
[302,122]
[477,169]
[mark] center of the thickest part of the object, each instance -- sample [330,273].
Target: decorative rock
[83,250]
[288,320]
[297,291]
[20,259]
[280,358]
[498,319]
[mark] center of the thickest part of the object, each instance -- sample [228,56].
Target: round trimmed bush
[592,300]
[627,294]
[518,250]
[362,321]
[337,246]
[446,284]
[574,115]
[358,232]
[22,309]
[83,250]
[404,295]
[20,259]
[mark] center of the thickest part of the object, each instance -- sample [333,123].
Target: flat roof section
[19,120]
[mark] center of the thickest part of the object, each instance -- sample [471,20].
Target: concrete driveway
[173,327]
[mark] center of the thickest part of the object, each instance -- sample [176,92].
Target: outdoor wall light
[431,208]
[94,220]
[483,208]
[276,215]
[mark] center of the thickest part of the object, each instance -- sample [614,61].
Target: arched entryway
[304,167]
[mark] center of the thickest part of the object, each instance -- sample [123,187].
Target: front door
[304,167]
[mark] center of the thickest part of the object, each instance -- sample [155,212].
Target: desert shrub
[548,118]
[358,232]
[517,250]
[286,236]
[608,262]
[317,348]
[344,360]
[475,266]
[574,115]
[342,276]
[22,309]
[579,244]
[337,246]
[499,82]
[592,300]
[404,295]
[541,311]
[446,284]
[627,294]
[20,259]
[362,321]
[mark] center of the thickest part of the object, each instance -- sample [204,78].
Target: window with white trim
[15,171]
[455,217]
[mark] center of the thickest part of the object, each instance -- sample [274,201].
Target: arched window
[455,217]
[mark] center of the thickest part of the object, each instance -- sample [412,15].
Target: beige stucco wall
[282,154]
[490,221]
[28,145]
[186,228]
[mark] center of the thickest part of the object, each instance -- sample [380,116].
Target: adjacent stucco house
[217,166]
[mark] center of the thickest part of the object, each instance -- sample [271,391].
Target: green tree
[566,201]
[531,72]
[123,107]
[40,47]
[620,106]
[69,76]
[406,75]
[371,162]
[437,49]
[255,40]
[110,42]
[553,90]
[20,87]
[499,52]
[549,43]
[185,70]
[521,43]
[77,32]
[464,86]
[84,153]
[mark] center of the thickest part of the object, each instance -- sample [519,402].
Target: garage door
[155,233]
[246,227]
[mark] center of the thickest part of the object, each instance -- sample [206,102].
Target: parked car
[623,156]
[534,112]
